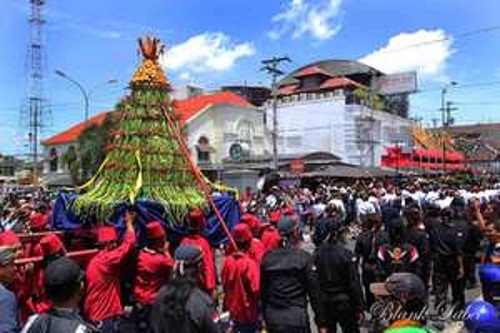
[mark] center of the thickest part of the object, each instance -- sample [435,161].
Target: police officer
[448,270]
[365,249]
[287,279]
[340,298]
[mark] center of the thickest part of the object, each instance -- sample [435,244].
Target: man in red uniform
[20,285]
[257,248]
[39,220]
[154,267]
[208,278]
[270,236]
[50,248]
[240,280]
[103,305]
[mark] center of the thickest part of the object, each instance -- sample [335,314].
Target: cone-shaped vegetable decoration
[144,159]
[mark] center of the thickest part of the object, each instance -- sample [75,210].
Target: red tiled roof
[338,82]
[312,70]
[72,134]
[184,109]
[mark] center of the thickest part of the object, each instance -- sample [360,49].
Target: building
[10,168]
[256,95]
[219,127]
[319,109]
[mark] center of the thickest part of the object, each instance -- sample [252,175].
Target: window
[203,150]
[54,160]
[245,130]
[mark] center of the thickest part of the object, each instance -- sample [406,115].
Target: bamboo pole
[197,174]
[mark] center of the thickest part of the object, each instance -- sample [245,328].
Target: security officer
[287,279]
[397,256]
[365,249]
[417,236]
[340,297]
[446,246]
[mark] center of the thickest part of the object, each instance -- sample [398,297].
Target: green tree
[92,147]
[72,163]
[371,100]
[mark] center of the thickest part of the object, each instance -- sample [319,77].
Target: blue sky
[221,42]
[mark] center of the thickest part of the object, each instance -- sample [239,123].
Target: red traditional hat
[274,217]
[288,211]
[106,234]
[9,238]
[155,230]
[196,218]
[242,233]
[251,220]
[50,245]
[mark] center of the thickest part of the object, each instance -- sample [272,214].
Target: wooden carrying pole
[75,255]
[197,174]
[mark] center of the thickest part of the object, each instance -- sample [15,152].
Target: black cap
[286,225]
[62,272]
[188,254]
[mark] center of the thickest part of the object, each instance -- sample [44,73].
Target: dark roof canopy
[334,67]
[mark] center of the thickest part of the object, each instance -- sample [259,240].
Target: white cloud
[424,51]
[207,52]
[302,17]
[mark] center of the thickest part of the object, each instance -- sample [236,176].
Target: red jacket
[153,271]
[241,280]
[103,281]
[38,222]
[39,303]
[208,278]
[257,251]
[271,238]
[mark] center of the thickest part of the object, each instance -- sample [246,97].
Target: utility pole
[34,113]
[271,67]
[445,118]
[448,120]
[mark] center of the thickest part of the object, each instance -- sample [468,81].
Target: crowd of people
[374,254]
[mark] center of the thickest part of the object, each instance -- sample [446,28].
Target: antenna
[34,112]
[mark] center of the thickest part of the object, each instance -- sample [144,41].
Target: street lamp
[85,93]
[444,120]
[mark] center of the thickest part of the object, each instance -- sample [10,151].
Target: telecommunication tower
[35,112]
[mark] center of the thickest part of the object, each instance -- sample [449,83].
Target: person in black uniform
[397,256]
[180,306]
[287,279]
[340,298]
[365,249]
[417,236]
[64,285]
[446,246]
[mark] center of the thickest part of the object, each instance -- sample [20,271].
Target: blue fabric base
[64,218]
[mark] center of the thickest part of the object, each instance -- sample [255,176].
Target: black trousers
[337,311]
[445,276]
[470,268]
[368,277]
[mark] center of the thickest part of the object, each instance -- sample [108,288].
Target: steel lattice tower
[35,112]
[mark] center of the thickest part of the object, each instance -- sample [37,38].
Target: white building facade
[326,118]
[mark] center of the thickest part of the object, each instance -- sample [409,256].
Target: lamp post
[85,93]
[444,119]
